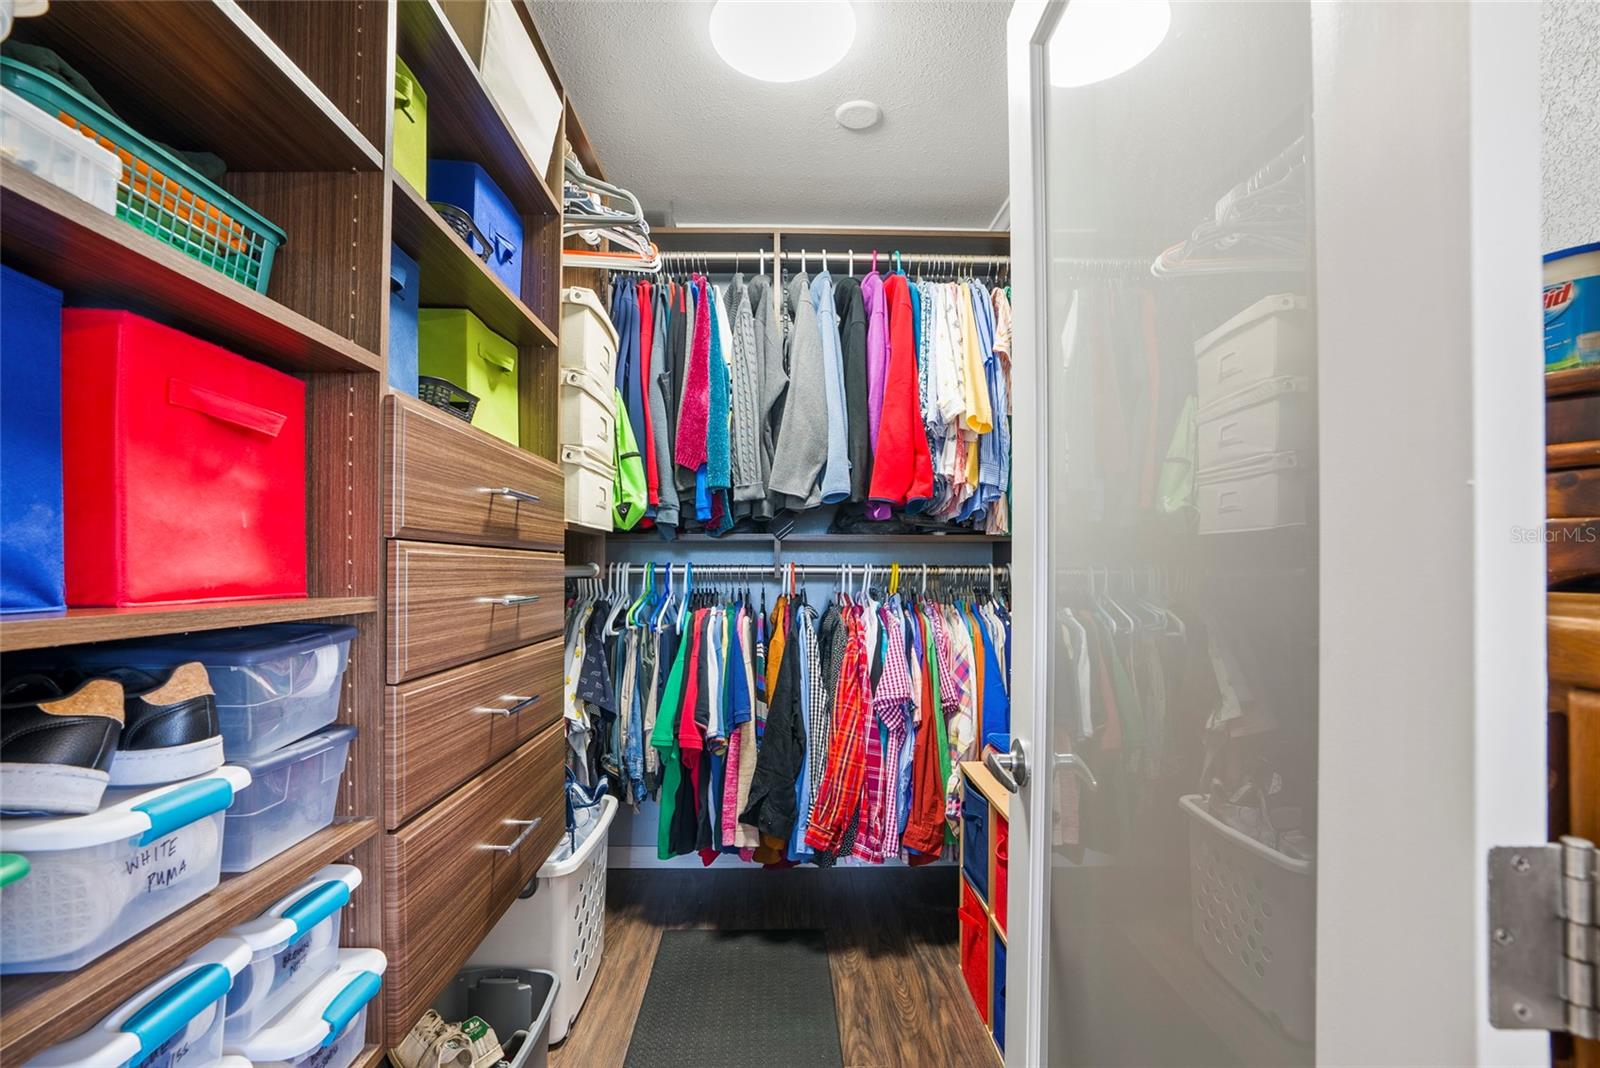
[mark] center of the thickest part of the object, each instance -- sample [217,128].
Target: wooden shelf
[463,120]
[453,277]
[98,259]
[370,1057]
[200,74]
[42,1010]
[1573,382]
[77,625]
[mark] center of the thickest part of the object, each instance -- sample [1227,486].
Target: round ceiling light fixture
[782,40]
[1100,39]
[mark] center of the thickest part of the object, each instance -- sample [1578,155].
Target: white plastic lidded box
[175,1022]
[1274,415]
[1269,339]
[1260,494]
[292,795]
[95,881]
[588,337]
[588,485]
[588,411]
[41,144]
[327,1026]
[292,946]
[275,683]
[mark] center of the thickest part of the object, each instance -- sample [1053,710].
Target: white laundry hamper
[561,927]
[1254,917]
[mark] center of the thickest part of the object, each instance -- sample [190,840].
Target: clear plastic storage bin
[292,794]
[327,1026]
[40,144]
[275,683]
[292,946]
[175,1022]
[95,881]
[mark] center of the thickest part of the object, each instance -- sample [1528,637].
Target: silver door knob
[1010,768]
[1075,764]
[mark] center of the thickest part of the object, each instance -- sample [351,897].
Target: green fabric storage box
[410,128]
[453,344]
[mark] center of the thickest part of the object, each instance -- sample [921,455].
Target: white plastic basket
[561,928]
[1254,917]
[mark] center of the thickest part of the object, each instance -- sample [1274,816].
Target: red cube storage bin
[1001,832]
[975,939]
[185,467]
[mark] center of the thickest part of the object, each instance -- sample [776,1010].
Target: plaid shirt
[837,805]
[891,704]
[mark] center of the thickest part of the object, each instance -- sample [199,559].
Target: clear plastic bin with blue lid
[96,880]
[292,794]
[292,946]
[327,1026]
[275,683]
[175,1022]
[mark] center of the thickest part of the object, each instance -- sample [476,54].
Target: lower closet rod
[779,571]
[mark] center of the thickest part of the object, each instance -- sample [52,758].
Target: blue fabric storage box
[405,295]
[31,575]
[499,237]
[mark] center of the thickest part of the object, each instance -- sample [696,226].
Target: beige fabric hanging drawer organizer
[588,408]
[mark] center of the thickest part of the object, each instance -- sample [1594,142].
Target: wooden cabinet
[447,482]
[441,730]
[452,871]
[451,604]
[985,838]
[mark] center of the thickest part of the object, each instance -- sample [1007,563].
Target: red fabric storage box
[185,467]
[975,949]
[997,885]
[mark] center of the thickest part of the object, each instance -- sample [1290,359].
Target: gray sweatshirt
[802,446]
[660,429]
[773,377]
[836,474]
[744,373]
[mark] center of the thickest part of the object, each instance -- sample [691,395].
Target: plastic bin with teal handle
[328,1025]
[176,1021]
[159,192]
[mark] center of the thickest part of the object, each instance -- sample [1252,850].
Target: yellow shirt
[979,417]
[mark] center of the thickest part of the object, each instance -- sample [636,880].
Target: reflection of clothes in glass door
[1182,665]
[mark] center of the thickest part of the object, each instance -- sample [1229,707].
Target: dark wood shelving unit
[1573,382]
[464,122]
[453,277]
[78,625]
[202,73]
[97,259]
[41,1010]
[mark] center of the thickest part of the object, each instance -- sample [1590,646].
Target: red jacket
[902,470]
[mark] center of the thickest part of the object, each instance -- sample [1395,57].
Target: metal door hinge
[1543,938]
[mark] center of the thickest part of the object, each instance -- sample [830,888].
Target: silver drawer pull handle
[528,827]
[515,494]
[510,600]
[510,710]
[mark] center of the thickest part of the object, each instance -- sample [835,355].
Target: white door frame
[1432,684]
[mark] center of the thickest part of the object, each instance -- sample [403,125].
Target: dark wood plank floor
[892,947]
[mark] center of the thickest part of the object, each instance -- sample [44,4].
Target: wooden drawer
[452,872]
[450,604]
[1572,494]
[441,730]
[447,482]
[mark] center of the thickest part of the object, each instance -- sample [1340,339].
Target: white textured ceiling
[700,143]
[1570,65]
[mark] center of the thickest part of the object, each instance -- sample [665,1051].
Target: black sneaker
[56,749]
[170,729]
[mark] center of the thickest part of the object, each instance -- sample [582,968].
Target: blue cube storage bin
[499,238]
[405,297]
[997,1015]
[31,574]
[975,839]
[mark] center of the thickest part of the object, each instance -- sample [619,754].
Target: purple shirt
[877,310]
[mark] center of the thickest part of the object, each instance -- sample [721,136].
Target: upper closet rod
[779,571]
[793,256]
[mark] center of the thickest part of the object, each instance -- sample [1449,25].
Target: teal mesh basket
[159,192]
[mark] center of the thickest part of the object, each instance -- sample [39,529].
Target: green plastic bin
[453,344]
[410,128]
[159,192]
